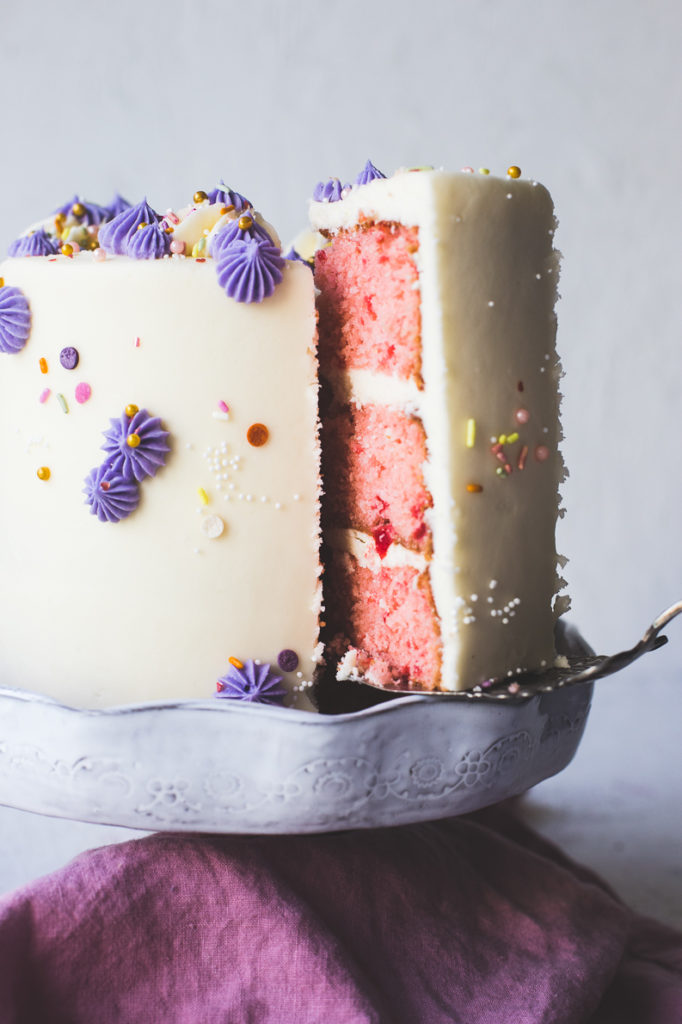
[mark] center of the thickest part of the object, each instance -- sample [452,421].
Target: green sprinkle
[62,402]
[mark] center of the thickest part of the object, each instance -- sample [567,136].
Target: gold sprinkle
[43,473]
[514,171]
[2,282]
[236,662]
[130,411]
[142,225]
[471,433]
[67,250]
[78,210]
[245,222]
[200,196]
[133,440]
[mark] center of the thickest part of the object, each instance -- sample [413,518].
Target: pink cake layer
[372,464]
[369,302]
[388,617]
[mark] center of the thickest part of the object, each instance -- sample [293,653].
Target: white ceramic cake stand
[221,766]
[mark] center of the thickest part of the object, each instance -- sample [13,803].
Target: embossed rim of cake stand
[223,767]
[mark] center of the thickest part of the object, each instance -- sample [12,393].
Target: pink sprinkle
[83,392]
[137,342]
[522,415]
[99,255]
[172,217]
[542,452]
[468,170]
[76,247]
[177,246]
[44,395]
[223,406]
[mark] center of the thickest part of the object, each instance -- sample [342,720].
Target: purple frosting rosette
[136,446]
[111,497]
[37,243]
[15,319]
[115,235]
[253,682]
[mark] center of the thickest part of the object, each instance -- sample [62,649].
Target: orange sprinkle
[257,434]
[522,457]
[42,363]
[474,488]
[236,662]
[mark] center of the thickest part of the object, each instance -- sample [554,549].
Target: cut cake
[440,426]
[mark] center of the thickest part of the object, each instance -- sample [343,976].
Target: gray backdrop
[163,97]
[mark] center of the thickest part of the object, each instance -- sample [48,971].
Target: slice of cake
[159,528]
[440,427]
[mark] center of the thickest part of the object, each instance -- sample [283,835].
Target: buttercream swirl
[330,191]
[228,197]
[150,242]
[249,270]
[368,173]
[15,319]
[117,205]
[115,234]
[136,446]
[231,233]
[111,497]
[37,243]
[255,683]
[92,213]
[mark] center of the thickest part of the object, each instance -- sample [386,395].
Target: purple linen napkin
[474,920]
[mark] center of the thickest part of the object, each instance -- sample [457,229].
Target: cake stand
[226,767]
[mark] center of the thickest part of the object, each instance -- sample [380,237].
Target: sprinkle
[177,247]
[236,662]
[502,439]
[257,434]
[513,688]
[287,660]
[474,488]
[512,438]
[137,342]
[514,171]
[245,222]
[83,392]
[67,250]
[42,363]
[43,473]
[519,386]
[523,455]
[468,170]
[133,440]
[199,247]
[99,255]
[200,196]
[44,395]
[62,402]
[492,584]
[69,357]
[542,453]
[521,415]
[203,496]
[471,433]
[212,526]
[223,406]
[483,170]
[172,217]
[491,303]
[130,410]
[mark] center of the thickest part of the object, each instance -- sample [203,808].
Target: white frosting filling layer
[487,280]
